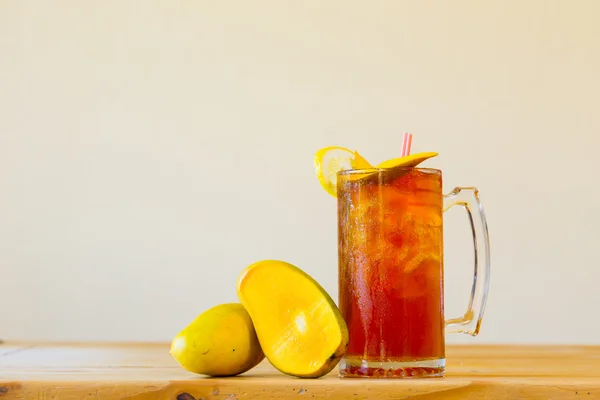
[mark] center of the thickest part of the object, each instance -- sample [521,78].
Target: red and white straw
[406,143]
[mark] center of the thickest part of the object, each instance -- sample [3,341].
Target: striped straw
[406,143]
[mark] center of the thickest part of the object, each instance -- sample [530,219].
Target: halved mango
[299,327]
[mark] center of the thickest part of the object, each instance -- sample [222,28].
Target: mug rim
[394,169]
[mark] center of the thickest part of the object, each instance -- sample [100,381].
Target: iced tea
[391,271]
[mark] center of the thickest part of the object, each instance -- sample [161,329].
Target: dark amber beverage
[391,272]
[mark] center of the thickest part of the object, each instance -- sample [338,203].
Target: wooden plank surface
[147,371]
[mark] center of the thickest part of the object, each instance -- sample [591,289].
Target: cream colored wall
[151,150]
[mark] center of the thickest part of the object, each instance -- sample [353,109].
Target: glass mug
[391,286]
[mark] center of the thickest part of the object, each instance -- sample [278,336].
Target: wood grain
[146,371]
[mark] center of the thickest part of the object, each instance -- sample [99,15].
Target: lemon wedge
[330,160]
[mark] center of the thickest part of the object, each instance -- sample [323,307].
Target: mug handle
[470,322]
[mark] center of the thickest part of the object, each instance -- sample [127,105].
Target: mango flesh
[219,342]
[411,160]
[299,327]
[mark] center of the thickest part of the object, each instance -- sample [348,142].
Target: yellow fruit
[395,167]
[330,160]
[219,342]
[299,327]
[412,160]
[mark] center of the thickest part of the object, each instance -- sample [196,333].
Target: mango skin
[219,342]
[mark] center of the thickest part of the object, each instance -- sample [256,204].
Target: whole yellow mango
[219,342]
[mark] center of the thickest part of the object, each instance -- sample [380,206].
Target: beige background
[151,150]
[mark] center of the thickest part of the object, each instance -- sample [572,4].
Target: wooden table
[147,371]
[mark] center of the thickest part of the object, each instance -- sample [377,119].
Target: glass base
[358,368]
